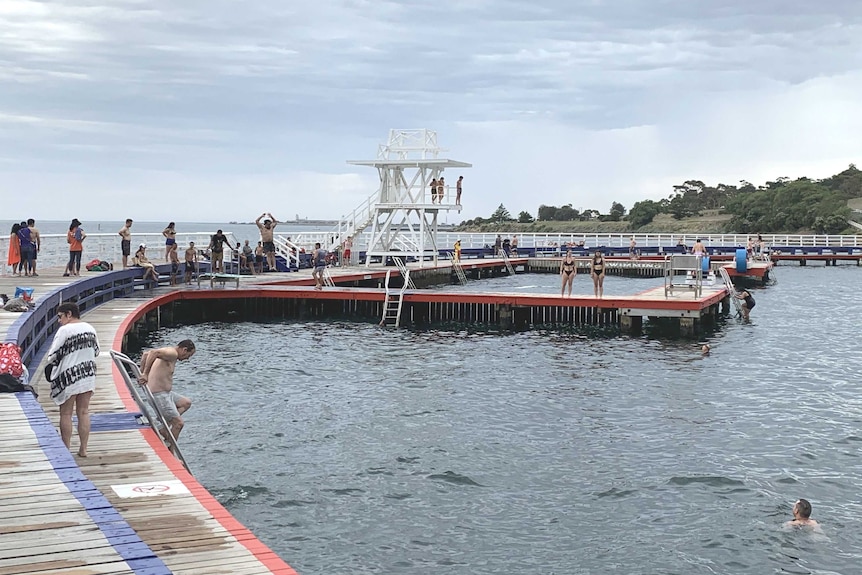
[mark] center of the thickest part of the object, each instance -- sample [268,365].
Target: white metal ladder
[393,301]
[405,273]
[459,270]
[143,396]
[506,261]
[327,278]
[731,289]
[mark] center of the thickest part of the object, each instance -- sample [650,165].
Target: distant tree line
[782,205]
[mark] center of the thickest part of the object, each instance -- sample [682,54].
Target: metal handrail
[674,263]
[731,289]
[405,272]
[125,365]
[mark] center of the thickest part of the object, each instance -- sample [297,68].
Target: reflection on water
[348,448]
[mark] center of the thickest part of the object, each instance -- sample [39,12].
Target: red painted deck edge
[246,538]
[424,296]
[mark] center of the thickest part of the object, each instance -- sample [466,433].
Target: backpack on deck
[10,360]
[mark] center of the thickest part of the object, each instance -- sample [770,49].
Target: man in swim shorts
[318,261]
[266,229]
[126,242]
[191,262]
[157,373]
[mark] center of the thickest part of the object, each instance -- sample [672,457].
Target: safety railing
[404,271]
[691,266]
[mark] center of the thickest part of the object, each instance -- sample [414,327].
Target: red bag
[10,359]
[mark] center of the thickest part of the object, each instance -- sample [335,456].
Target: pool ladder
[458,269]
[507,261]
[405,273]
[394,300]
[731,289]
[142,394]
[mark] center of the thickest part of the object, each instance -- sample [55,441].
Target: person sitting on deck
[141,260]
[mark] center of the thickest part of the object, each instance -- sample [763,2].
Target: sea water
[348,448]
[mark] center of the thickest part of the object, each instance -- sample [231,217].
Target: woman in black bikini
[747,303]
[568,271]
[597,271]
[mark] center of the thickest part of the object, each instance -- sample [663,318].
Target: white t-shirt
[75,347]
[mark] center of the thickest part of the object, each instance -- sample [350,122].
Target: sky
[217,111]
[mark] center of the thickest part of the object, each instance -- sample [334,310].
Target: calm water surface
[351,449]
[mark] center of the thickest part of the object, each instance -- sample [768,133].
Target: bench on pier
[218,278]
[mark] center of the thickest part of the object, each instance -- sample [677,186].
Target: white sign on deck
[154,489]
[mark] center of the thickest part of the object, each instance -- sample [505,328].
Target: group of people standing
[71,372]
[438,190]
[24,246]
[569,269]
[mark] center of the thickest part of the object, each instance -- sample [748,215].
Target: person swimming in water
[802,515]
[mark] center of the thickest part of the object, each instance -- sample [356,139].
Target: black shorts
[191,267]
[268,247]
[175,268]
[126,246]
[258,259]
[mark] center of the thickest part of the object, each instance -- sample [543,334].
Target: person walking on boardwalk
[13,258]
[36,239]
[266,230]
[74,237]
[126,242]
[597,272]
[318,261]
[72,372]
[568,271]
[157,373]
[170,234]
[748,303]
[458,190]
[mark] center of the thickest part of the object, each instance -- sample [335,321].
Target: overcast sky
[217,110]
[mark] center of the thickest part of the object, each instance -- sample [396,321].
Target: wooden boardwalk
[62,514]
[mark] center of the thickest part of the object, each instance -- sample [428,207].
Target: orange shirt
[74,244]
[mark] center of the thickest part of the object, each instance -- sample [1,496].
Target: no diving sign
[153,489]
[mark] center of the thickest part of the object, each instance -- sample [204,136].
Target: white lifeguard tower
[403,213]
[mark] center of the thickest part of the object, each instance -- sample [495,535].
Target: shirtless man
[157,373]
[802,515]
[266,229]
[36,238]
[698,249]
[126,242]
[191,262]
